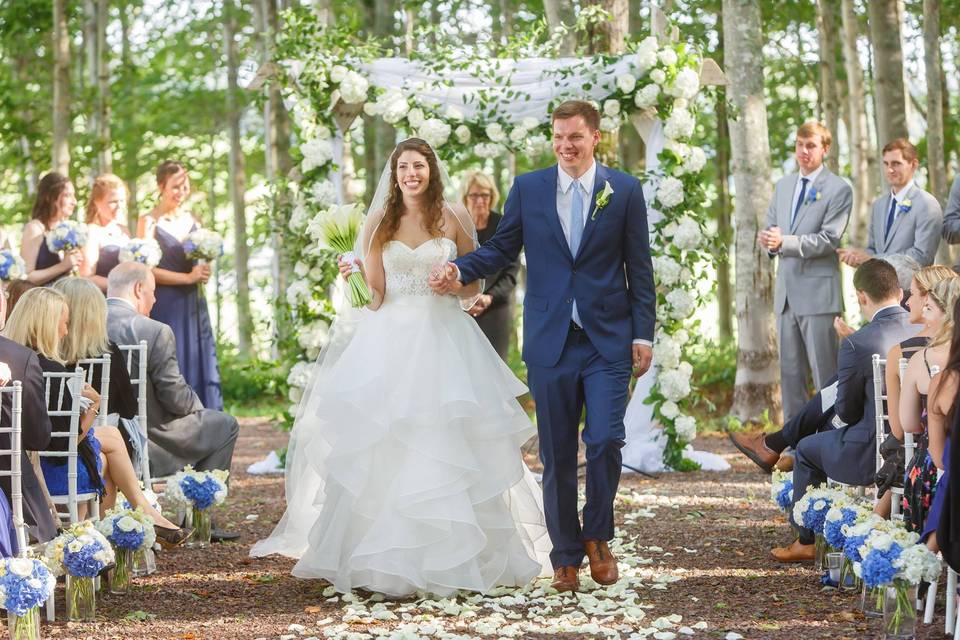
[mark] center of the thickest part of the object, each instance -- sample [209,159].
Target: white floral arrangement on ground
[198,489]
[663,81]
[143,250]
[81,550]
[128,528]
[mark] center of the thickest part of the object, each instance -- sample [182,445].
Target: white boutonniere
[905,206]
[603,199]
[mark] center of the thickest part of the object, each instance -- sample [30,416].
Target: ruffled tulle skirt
[405,472]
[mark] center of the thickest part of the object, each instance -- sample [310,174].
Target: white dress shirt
[899,197]
[811,178]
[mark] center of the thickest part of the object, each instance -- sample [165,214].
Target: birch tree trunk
[936,163]
[559,13]
[859,136]
[724,289]
[238,182]
[61,88]
[829,102]
[757,382]
[104,153]
[885,18]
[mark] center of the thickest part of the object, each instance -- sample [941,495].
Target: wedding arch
[489,108]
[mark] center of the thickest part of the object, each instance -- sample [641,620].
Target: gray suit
[807,296]
[915,233]
[848,454]
[951,216]
[179,429]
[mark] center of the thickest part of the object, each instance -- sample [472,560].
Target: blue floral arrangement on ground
[81,550]
[26,583]
[198,489]
[12,266]
[128,529]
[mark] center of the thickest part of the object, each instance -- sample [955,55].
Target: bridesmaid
[56,201]
[106,233]
[179,303]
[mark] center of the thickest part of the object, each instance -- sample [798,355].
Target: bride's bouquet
[203,245]
[337,229]
[143,250]
[12,266]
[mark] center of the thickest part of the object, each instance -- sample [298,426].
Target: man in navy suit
[588,315]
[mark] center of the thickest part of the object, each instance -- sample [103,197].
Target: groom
[588,314]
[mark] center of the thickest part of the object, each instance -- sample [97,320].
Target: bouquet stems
[202,525]
[359,292]
[25,627]
[81,599]
[899,611]
[120,576]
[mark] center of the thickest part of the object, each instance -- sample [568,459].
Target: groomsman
[951,217]
[907,220]
[805,221]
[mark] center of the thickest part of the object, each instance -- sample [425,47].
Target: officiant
[493,311]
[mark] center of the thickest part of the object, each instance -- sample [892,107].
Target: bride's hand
[346,268]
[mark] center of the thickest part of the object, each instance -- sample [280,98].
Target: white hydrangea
[301,269]
[688,235]
[299,218]
[518,135]
[463,134]
[298,291]
[696,161]
[353,88]
[495,132]
[537,144]
[670,192]
[647,96]
[609,124]
[626,82]
[295,395]
[435,132]
[666,352]
[338,73]
[324,193]
[686,84]
[316,153]
[313,337]
[681,336]
[682,149]
[658,75]
[611,108]
[681,303]
[299,375]
[679,124]
[917,563]
[454,113]
[647,54]
[489,150]
[415,117]
[686,428]
[530,123]
[675,383]
[322,131]
[667,270]
[669,410]
[393,106]
[668,56]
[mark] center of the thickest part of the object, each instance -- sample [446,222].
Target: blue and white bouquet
[12,266]
[198,489]
[203,245]
[857,533]
[128,529]
[80,551]
[67,236]
[841,514]
[143,250]
[810,511]
[26,583]
[781,491]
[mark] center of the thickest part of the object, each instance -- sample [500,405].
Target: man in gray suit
[179,429]
[805,220]
[907,220]
[951,217]
[848,454]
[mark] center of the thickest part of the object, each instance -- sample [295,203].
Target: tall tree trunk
[609,37]
[936,163]
[237,181]
[757,382]
[61,88]
[859,136]
[386,134]
[724,289]
[104,154]
[559,13]
[829,102]
[891,103]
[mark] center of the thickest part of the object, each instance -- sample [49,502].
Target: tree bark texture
[725,292]
[829,101]
[936,162]
[103,145]
[61,88]
[560,13]
[885,17]
[858,134]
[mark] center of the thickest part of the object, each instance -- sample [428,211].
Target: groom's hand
[443,280]
[642,356]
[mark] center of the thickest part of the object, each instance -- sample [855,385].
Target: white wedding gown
[405,471]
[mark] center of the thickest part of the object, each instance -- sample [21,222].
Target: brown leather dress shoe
[603,564]
[756,449]
[566,579]
[796,552]
[785,463]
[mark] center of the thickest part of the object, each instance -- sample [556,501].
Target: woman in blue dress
[107,232]
[56,201]
[179,303]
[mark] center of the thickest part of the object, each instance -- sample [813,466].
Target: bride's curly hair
[433,196]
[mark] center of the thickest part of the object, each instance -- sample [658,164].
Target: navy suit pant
[581,377]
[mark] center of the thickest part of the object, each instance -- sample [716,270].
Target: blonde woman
[921,472]
[86,337]
[107,234]
[493,309]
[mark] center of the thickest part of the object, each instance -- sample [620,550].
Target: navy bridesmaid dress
[182,307]
[108,259]
[47,258]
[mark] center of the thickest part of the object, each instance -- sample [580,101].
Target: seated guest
[905,220]
[180,430]
[494,308]
[24,365]
[15,289]
[55,202]
[848,454]
[951,216]
[87,338]
[921,471]
[107,234]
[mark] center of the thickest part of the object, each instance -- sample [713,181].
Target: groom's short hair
[574,108]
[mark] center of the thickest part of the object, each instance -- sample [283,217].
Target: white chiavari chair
[14,391]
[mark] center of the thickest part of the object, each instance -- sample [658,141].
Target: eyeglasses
[479,196]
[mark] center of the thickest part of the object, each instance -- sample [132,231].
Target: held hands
[443,280]
[853,257]
[91,394]
[642,357]
[346,266]
[770,239]
[482,304]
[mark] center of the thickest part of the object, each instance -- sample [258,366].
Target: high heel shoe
[170,538]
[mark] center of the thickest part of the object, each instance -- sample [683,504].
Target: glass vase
[144,563]
[871,601]
[202,525]
[25,627]
[820,546]
[848,579]
[81,599]
[122,572]
[900,612]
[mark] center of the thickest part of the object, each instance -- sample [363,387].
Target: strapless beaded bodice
[408,270]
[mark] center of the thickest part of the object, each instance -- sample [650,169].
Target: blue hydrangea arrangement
[203,245]
[81,550]
[143,250]
[128,529]
[67,236]
[25,583]
[198,489]
[12,266]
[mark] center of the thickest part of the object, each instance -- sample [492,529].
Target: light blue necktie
[576,231]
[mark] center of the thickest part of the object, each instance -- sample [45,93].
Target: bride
[404,470]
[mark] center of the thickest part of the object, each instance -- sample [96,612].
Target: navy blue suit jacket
[611,277]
